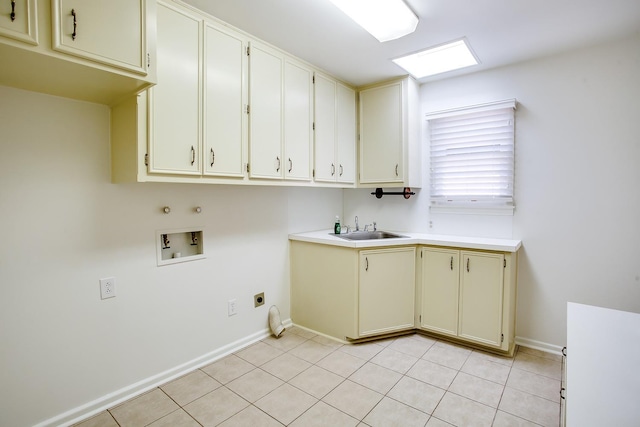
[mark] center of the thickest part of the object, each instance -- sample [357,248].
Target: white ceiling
[500,32]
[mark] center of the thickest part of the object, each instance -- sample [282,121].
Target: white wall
[577,186]
[65,226]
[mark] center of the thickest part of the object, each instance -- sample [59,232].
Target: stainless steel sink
[369,235]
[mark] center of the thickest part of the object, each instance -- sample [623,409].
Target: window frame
[468,203]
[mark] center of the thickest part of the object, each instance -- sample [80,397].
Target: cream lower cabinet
[386,290]
[469,295]
[349,293]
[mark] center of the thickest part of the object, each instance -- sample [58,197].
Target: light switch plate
[232,307]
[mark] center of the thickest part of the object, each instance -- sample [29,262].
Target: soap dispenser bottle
[336,226]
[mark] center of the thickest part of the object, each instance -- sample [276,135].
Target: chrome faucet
[357,226]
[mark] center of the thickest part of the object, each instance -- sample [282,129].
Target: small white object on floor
[274,321]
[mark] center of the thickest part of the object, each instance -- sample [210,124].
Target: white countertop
[603,354]
[326,237]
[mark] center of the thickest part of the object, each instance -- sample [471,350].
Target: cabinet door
[346,134]
[18,20]
[325,129]
[386,290]
[440,283]
[481,285]
[174,104]
[381,134]
[298,119]
[224,100]
[108,31]
[265,118]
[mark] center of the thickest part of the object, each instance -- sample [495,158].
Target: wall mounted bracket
[406,192]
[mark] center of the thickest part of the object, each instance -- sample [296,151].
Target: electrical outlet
[258,299]
[232,308]
[108,287]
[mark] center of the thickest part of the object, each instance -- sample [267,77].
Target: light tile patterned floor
[305,380]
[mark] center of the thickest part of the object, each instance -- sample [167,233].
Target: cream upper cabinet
[174,104]
[325,128]
[18,20]
[109,31]
[100,51]
[346,129]
[469,295]
[227,109]
[381,134]
[280,115]
[298,120]
[389,134]
[225,98]
[386,290]
[266,67]
[335,131]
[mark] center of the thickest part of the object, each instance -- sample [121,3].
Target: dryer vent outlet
[258,299]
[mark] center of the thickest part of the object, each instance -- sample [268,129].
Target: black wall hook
[406,193]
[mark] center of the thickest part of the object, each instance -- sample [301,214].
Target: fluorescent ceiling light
[436,60]
[384,19]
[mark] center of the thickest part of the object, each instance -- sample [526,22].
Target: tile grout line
[180,407]
[286,349]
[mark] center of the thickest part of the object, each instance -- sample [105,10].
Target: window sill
[503,210]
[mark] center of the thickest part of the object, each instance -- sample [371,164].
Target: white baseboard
[110,400]
[539,345]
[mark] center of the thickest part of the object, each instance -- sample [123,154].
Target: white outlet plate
[232,307]
[108,287]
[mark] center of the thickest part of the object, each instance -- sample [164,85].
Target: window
[472,156]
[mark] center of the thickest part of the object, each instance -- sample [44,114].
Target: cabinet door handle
[13,10]
[193,155]
[366,260]
[396,169]
[468,265]
[213,157]
[75,24]
[278,160]
[333,169]
[290,165]
[341,170]
[451,264]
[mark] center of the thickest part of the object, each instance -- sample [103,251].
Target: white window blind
[472,155]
